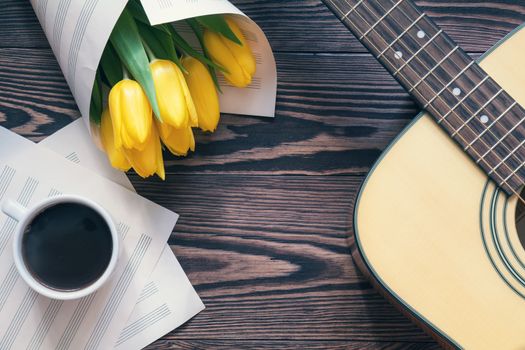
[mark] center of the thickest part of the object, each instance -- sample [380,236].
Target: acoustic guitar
[437,221]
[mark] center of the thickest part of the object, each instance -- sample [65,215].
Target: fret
[401,35]
[417,52]
[470,106]
[499,141]
[509,128]
[448,85]
[488,128]
[396,48]
[445,107]
[507,157]
[471,109]
[492,154]
[363,18]
[477,112]
[435,54]
[440,120]
[433,68]
[352,9]
[513,173]
[494,127]
[380,20]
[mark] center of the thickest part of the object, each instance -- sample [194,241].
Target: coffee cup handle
[14,209]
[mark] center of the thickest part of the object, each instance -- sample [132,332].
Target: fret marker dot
[484,119]
[398,55]
[456,91]
[421,34]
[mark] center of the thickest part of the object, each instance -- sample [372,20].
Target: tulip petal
[223,56]
[116,114]
[203,93]
[194,121]
[160,161]
[237,59]
[174,98]
[218,24]
[137,113]
[178,141]
[131,114]
[170,94]
[115,155]
[148,161]
[243,53]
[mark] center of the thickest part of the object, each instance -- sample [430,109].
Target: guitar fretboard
[473,109]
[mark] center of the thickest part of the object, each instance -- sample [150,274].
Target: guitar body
[439,238]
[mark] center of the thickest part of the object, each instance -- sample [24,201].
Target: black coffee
[67,246]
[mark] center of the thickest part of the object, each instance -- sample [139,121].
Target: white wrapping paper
[78,31]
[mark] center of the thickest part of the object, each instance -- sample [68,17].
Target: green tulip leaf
[197,29]
[183,45]
[111,65]
[217,24]
[127,42]
[136,9]
[160,43]
[95,109]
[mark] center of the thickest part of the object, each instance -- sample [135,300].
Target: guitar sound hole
[520,220]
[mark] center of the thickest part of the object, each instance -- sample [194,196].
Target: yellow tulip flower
[173,95]
[148,161]
[237,59]
[178,141]
[115,155]
[203,93]
[131,115]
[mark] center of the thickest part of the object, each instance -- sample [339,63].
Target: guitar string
[481,158]
[509,134]
[512,152]
[401,75]
[488,128]
[416,57]
[491,150]
[345,17]
[515,150]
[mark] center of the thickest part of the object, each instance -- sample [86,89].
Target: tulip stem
[149,52]
[125,73]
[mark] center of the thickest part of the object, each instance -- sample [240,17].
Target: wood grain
[288,345]
[308,26]
[263,229]
[271,258]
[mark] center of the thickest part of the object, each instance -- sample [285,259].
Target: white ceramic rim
[34,283]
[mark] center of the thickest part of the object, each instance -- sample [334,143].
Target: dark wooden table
[265,204]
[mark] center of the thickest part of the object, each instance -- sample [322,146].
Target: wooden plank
[334,115]
[264,344]
[269,256]
[287,282]
[308,26]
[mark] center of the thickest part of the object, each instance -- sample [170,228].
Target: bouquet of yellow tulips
[152,87]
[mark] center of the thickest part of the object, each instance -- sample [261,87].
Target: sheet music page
[168,299]
[78,31]
[31,321]
[165,11]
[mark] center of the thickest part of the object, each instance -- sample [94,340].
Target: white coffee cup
[25,216]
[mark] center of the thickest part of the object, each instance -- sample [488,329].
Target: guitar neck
[470,106]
